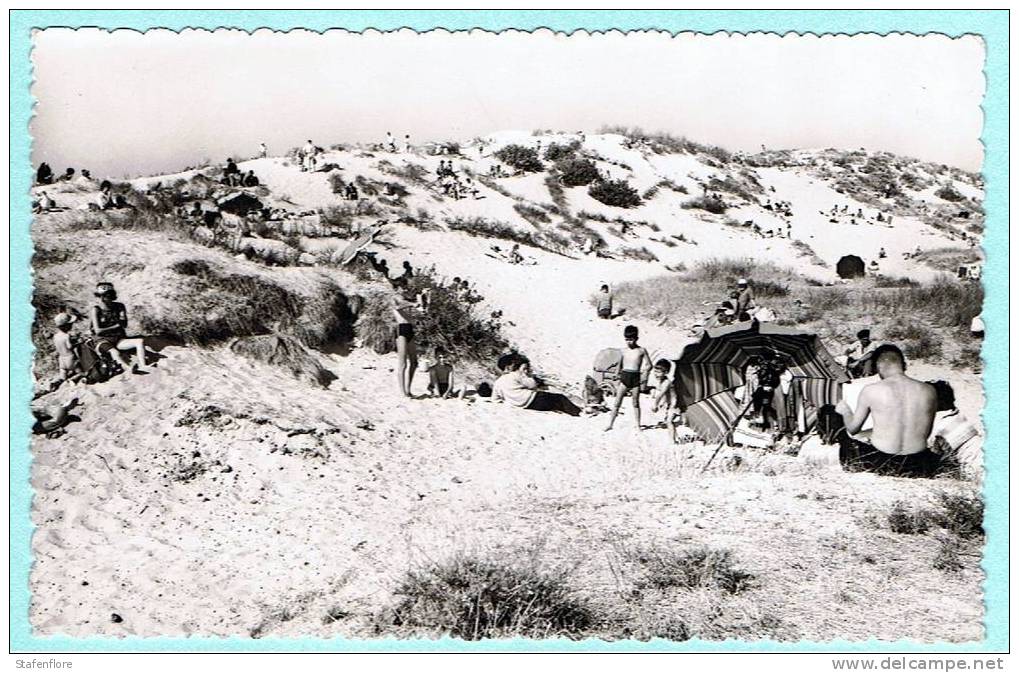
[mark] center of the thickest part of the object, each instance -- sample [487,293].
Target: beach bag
[96,368]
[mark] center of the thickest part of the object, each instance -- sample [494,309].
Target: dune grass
[474,596]
[930,321]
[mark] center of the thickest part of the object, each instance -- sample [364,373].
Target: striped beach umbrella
[709,370]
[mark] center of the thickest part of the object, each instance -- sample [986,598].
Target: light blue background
[991,25]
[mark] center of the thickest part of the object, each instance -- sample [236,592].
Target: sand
[217,496]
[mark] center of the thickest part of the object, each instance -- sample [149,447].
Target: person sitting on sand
[636,362]
[231,174]
[594,396]
[68,175]
[859,362]
[902,410]
[517,386]
[406,349]
[514,255]
[251,180]
[45,203]
[44,176]
[441,380]
[51,418]
[744,300]
[68,365]
[109,325]
[665,394]
[603,303]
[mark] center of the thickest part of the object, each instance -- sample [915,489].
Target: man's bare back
[903,412]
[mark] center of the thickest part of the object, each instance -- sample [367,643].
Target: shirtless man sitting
[903,411]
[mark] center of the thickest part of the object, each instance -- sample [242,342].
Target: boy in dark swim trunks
[636,362]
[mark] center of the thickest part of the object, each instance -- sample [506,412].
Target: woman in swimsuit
[109,325]
[406,349]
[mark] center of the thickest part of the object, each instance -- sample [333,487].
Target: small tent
[850,266]
[239,203]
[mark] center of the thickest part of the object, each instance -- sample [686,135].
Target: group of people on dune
[907,417]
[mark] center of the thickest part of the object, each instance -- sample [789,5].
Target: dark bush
[521,158]
[577,171]
[708,203]
[557,152]
[617,193]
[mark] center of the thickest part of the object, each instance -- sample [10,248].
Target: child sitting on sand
[440,376]
[594,397]
[665,394]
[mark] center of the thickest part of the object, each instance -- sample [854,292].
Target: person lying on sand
[902,410]
[518,387]
[636,362]
[441,377]
[109,325]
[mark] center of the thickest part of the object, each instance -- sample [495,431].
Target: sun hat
[741,281]
[62,319]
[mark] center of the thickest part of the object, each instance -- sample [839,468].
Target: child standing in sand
[67,359]
[604,302]
[636,362]
[665,394]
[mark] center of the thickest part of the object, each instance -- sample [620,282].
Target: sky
[124,103]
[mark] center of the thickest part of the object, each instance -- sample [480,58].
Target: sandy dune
[216,496]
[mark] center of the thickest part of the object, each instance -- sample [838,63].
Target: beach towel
[358,244]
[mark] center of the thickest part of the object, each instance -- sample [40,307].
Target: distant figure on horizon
[406,143]
[390,142]
[263,151]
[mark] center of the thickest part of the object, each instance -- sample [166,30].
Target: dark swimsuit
[406,330]
[629,379]
[108,318]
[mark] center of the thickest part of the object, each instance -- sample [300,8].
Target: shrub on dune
[617,193]
[286,353]
[474,597]
[706,203]
[577,171]
[522,158]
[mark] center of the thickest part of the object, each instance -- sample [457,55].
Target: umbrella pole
[725,437]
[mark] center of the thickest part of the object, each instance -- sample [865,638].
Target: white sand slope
[220,497]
